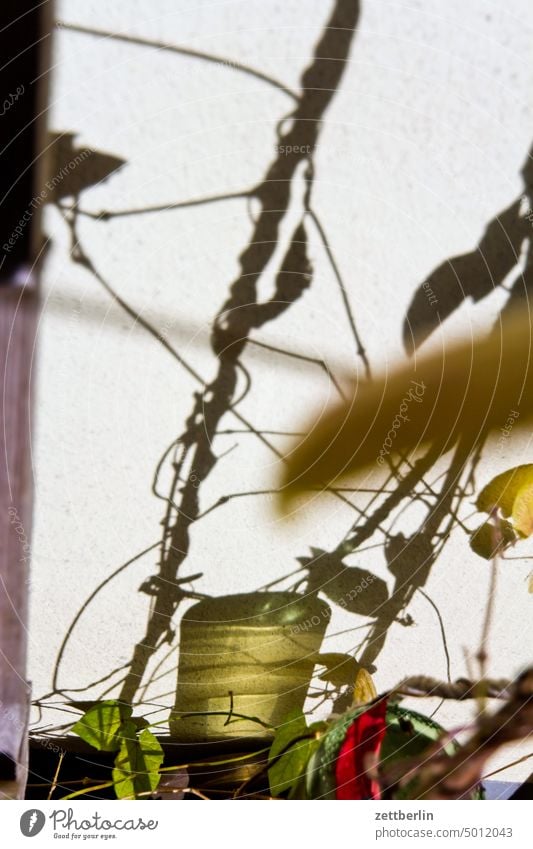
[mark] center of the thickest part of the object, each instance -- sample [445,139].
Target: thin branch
[91,597]
[56,776]
[423,686]
[164,46]
[342,288]
[108,214]
[482,654]
[313,360]
[80,257]
[225,498]
[439,775]
[442,631]
[507,766]
[227,431]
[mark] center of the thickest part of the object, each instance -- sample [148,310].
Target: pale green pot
[260,647]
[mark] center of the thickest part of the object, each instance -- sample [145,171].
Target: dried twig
[438,775]
[424,686]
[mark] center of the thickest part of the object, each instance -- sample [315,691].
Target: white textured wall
[422,146]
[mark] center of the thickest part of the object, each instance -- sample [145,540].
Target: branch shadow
[409,560]
[241,313]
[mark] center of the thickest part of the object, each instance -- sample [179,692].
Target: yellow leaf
[502,490]
[464,390]
[523,511]
[364,690]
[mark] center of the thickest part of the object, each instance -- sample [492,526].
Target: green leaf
[502,490]
[137,763]
[289,754]
[100,725]
[492,538]
[293,726]
[288,771]
[461,390]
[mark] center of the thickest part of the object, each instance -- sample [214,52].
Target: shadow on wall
[73,169]
[240,315]
[496,261]
[191,456]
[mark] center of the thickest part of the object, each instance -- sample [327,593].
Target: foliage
[501,492]
[137,763]
[102,724]
[109,727]
[381,750]
[508,498]
[293,746]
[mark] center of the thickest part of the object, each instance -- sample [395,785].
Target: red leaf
[362,743]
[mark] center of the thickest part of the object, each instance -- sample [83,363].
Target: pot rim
[214,610]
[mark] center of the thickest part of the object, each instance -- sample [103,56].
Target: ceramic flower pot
[252,652]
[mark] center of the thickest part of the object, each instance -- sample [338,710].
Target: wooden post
[24,45]
[17,332]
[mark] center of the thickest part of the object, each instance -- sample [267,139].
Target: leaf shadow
[476,274]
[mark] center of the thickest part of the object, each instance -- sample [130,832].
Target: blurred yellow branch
[462,391]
